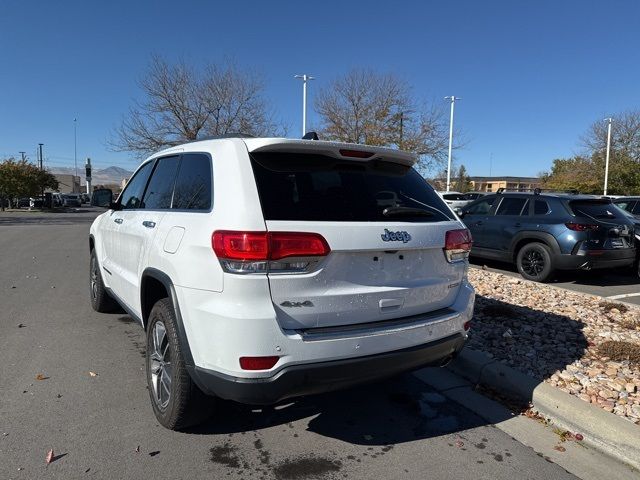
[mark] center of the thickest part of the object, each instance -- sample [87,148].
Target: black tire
[101,301]
[534,262]
[181,404]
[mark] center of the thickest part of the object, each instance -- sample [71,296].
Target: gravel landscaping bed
[578,343]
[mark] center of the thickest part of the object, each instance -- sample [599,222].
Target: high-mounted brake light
[355,153]
[257,252]
[581,227]
[457,245]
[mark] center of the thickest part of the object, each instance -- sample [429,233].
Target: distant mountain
[103,176]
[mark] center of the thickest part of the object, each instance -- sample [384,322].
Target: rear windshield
[320,188]
[596,209]
[454,196]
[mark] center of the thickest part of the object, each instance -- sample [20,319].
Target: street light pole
[75,146]
[606,163]
[453,102]
[304,79]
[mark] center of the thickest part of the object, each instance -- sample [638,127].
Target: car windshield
[320,188]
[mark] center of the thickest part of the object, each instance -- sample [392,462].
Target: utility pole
[304,79]
[75,145]
[606,163]
[23,155]
[41,167]
[453,102]
[401,129]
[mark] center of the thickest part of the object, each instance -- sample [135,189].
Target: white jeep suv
[268,268]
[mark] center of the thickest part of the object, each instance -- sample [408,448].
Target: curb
[602,430]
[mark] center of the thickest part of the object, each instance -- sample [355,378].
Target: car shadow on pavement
[398,410]
[36,219]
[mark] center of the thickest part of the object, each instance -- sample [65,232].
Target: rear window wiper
[406,211]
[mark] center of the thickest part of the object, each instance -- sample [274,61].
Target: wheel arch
[523,238]
[156,285]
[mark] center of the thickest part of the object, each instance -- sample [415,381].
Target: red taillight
[293,244]
[258,363]
[253,252]
[355,153]
[457,244]
[581,227]
[467,325]
[240,246]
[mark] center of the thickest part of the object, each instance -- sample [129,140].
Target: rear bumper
[307,379]
[591,260]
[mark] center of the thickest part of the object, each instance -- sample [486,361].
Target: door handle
[117,220]
[149,224]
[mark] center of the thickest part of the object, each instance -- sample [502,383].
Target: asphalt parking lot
[91,404]
[614,285]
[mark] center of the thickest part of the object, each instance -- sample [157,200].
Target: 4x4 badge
[388,236]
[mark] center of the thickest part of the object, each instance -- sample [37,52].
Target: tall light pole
[606,163]
[304,79]
[452,99]
[75,145]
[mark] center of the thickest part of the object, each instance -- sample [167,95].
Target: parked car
[24,202]
[36,202]
[455,200]
[474,195]
[545,232]
[71,200]
[101,197]
[631,205]
[264,269]
[56,199]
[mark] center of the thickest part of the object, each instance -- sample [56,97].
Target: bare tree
[625,136]
[182,104]
[377,109]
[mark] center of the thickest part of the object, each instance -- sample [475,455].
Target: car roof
[294,145]
[560,195]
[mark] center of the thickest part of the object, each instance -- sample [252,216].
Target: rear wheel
[534,262]
[177,402]
[101,301]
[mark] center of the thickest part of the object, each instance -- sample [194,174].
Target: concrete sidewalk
[611,445]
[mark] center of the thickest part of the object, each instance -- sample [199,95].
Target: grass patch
[608,306]
[619,351]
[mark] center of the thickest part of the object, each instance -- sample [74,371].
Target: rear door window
[160,189]
[513,206]
[636,208]
[320,188]
[193,189]
[595,209]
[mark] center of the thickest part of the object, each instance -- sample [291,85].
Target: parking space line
[624,295]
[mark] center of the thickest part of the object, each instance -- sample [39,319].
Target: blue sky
[532,75]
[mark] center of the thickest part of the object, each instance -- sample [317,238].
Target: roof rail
[538,191]
[224,135]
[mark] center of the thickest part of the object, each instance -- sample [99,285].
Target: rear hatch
[384,225]
[607,225]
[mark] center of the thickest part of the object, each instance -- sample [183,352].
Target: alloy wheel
[160,366]
[533,263]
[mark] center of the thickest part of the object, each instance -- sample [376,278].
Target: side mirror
[115,206]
